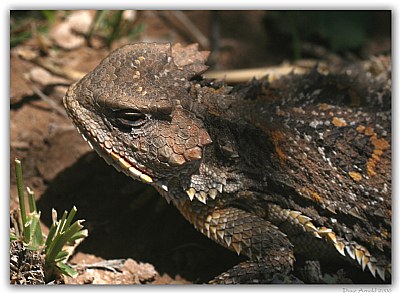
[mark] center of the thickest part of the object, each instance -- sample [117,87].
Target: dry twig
[244,75]
[60,110]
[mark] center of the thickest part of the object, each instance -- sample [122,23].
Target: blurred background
[237,38]
[49,50]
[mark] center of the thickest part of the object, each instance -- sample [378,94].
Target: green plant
[62,232]
[25,23]
[111,25]
[338,31]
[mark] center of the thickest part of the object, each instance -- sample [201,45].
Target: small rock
[145,272]
[66,34]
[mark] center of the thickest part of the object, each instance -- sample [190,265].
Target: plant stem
[20,185]
[31,200]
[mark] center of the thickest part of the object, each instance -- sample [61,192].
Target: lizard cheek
[193,154]
[173,152]
[176,150]
[176,160]
[188,155]
[134,144]
[164,154]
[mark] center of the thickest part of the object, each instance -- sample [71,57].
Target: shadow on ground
[127,219]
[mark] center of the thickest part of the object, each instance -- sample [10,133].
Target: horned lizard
[296,167]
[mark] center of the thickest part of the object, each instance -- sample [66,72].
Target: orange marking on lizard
[277,137]
[298,110]
[369,131]
[380,144]
[325,106]
[339,122]
[360,128]
[355,176]
[311,194]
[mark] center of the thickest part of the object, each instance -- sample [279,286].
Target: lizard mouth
[111,157]
[102,146]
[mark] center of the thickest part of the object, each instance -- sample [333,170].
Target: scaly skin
[300,166]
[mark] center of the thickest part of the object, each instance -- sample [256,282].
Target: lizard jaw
[103,147]
[128,167]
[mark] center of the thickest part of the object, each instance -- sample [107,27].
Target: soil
[134,237]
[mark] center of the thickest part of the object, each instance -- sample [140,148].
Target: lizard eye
[128,118]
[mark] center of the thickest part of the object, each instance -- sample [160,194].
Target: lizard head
[136,111]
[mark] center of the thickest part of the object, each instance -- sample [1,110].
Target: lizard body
[297,166]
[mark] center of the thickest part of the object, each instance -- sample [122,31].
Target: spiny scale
[350,252]
[191,192]
[354,250]
[332,237]
[381,272]
[237,246]
[241,231]
[201,195]
[240,237]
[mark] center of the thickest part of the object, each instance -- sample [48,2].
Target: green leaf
[20,187]
[50,236]
[51,241]
[61,231]
[62,255]
[36,231]
[27,230]
[31,200]
[60,240]
[33,222]
[67,270]
[78,235]
[71,215]
[63,222]
[13,236]
[50,15]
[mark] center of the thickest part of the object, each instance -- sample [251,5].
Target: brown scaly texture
[300,166]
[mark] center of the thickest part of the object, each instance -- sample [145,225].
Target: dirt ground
[134,235]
